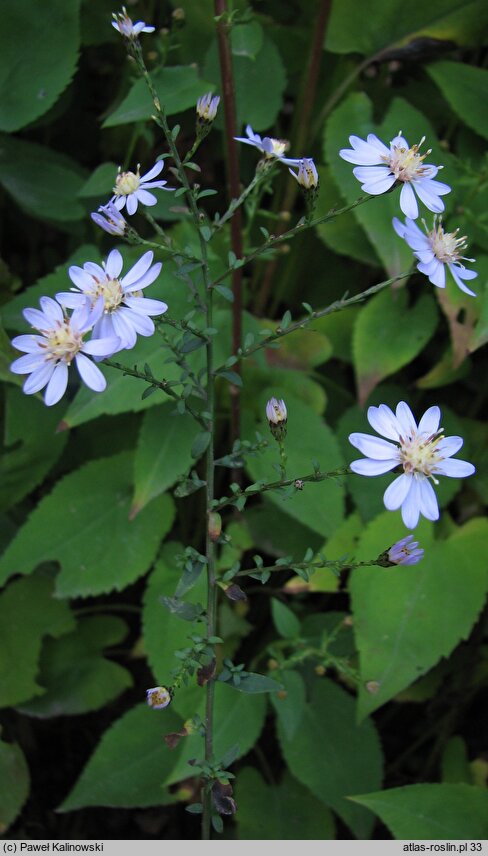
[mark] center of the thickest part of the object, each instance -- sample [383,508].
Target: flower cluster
[111,308]
[274,149]
[380,169]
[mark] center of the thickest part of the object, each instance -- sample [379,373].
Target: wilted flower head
[269,146]
[48,356]
[126,27]
[404,552]
[132,188]
[158,697]
[380,167]
[110,219]
[307,175]
[437,250]
[125,310]
[207,107]
[422,451]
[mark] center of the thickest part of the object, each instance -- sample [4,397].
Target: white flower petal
[428,500]
[429,423]
[90,373]
[125,331]
[131,202]
[52,310]
[454,469]
[36,319]
[459,282]
[145,305]
[142,324]
[408,202]
[153,172]
[367,467]
[38,378]
[411,505]
[113,265]
[146,198]
[71,299]
[57,385]
[374,447]
[29,343]
[81,278]
[395,494]
[138,270]
[28,363]
[406,419]
[449,446]
[102,347]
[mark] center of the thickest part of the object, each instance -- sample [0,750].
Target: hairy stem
[255,489]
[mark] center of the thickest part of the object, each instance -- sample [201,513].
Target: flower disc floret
[380,167]
[48,356]
[421,451]
[125,310]
[436,250]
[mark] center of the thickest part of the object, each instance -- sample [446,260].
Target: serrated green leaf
[83,524]
[162,453]
[14,783]
[332,755]
[428,811]
[132,777]
[28,612]
[399,333]
[279,812]
[407,620]
[74,674]
[24,95]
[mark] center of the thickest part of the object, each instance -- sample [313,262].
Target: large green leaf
[465,88]
[279,812]
[256,104]
[129,764]
[355,116]
[30,429]
[333,756]
[319,506]
[399,332]
[343,235]
[35,69]
[14,783]
[163,453]
[43,182]
[75,675]
[178,88]
[238,719]
[407,618]
[455,20]
[83,524]
[432,811]
[28,612]
[164,632]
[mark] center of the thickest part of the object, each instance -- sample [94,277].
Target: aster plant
[157,313]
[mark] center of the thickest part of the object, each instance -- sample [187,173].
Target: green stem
[335,565]
[343,303]
[283,459]
[254,489]
[236,203]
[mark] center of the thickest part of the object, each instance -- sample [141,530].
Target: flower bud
[308,179]
[214,525]
[404,552]
[159,697]
[277,416]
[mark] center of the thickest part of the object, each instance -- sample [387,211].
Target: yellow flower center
[279,147]
[406,164]
[446,245]
[63,342]
[419,454]
[127,183]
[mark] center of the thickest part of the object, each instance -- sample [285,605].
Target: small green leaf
[225,292]
[464,87]
[182,609]
[206,233]
[14,783]
[200,444]
[285,621]
[251,682]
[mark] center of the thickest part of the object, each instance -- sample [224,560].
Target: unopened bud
[159,697]
[320,670]
[404,552]
[277,415]
[214,525]
[308,179]
[178,14]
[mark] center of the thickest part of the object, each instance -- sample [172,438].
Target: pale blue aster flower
[126,27]
[110,219]
[207,107]
[269,146]
[405,552]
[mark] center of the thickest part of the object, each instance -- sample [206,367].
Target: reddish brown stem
[227,78]
[300,132]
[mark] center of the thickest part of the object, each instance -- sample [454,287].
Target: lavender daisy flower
[48,356]
[380,167]
[132,188]
[437,250]
[125,310]
[307,175]
[405,552]
[126,27]
[110,219]
[269,146]
[207,107]
[421,451]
